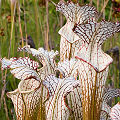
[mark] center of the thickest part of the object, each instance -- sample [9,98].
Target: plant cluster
[78,92]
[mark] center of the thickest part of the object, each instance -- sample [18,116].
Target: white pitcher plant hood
[21,68]
[70,69]
[44,56]
[47,58]
[30,96]
[58,107]
[94,34]
[74,13]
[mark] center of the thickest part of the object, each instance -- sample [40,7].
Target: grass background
[35,18]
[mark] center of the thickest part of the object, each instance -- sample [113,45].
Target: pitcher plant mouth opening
[22,90]
[78,92]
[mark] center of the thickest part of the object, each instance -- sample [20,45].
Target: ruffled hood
[74,14]
[94,34]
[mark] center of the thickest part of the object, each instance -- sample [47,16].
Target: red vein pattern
[44,56]
[110,93]
[27,70]
[47,58]
[97,32]
[22,68]
[75,13]
[72,68]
